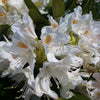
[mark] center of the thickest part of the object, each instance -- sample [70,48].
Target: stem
[71,35]
[38,43]
[5,8]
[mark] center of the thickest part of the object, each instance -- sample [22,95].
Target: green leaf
[31,5]
[38,20]
[1,85]
[96,11]
[49,8]
[2,93]
[87,6]
[58,8]
[93,6]
[50,3]
[37,17]
[4,30]
[70,5]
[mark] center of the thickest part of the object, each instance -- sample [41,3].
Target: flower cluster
[68,52]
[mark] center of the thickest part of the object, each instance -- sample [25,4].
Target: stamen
[15,85]
[17,63]
[18,97]
[56,81]
[48,97]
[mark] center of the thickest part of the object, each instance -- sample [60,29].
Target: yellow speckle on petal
[75,21]
[86,32]
[2,14]
[21,44]
[55,26]
[48,39]
[4,1]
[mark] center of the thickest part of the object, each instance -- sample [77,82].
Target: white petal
[17,3]
[51,58]
[29,27]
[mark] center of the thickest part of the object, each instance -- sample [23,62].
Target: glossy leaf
[49,8]
[70,5]
[4,30]
[38,20]
[31,5]
[58,8]
[93,6]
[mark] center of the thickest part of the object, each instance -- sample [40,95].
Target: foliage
[58,8]
[6,92]
[4,30]
[37,17]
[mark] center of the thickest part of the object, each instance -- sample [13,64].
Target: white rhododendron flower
[74,77]
[27,30]
[16,3]
[76,61]
[65,57]
[11,11]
